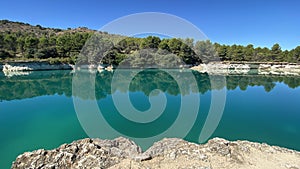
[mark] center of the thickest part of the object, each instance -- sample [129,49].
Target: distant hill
[22,41]
[38,30]
[25,42]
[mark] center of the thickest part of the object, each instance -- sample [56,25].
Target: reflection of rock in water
[39,83]
[167,153]
[16,73]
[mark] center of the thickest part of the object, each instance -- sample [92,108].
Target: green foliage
[20,41]
[150,42]
[205,51]
[164,45]
[4,54]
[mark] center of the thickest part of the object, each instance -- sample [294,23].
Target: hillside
[22,41]
[38,30]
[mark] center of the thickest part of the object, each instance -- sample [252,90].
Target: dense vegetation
[20,41]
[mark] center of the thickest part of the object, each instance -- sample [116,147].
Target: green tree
[188,55]
[31,44]
[150,42]
[1,41]
[222,51]
[249,53]
[43,42]
[205,51]
[275,53]
[163,45]
[294,55]
[21,45]
[10,43]
[189,42]
[237,53]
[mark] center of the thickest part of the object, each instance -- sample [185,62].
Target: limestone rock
[167,153]
[31,66]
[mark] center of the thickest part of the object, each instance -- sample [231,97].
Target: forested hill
[20,27]
[21,41]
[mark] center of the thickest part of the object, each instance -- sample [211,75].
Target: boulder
[167,153]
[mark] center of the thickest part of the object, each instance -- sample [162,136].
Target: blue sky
[259,22]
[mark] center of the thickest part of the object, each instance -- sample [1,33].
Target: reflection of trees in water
[38,83]
[268,82]
[60,82]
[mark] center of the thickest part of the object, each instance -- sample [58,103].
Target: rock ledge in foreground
[167,153]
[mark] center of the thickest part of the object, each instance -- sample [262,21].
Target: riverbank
[167,153]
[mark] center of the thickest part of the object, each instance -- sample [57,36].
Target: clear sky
[259,22]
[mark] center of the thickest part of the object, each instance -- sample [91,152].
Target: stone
[31,66]
[168,153]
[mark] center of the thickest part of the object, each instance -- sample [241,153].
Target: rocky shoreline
[219,68]
[167,153]
[248,68]
[33,66]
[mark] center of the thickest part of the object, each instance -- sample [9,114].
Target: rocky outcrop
[288,69]
[167,153]
[221,68]
[32,66]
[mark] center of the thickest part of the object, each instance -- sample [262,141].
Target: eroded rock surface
[167,153]
[32,66]
[220,68]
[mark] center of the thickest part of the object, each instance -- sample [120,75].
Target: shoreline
[33,66]
[223,68]
[216,68]
[166,153]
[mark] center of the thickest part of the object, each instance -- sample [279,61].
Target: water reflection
[41,83]
[37,109]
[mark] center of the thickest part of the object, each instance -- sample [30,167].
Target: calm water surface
[37,111]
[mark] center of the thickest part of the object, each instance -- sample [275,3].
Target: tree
[294,55]
[205,51]
[249,53]
[150,42]
[10,43]
[21,45]
[43,42]
[275,53]
[222,51]
[64,45]
[175,45]
[188,55]
[261,54]
[1,41]
[163,45]
[30,46]
[189,42]
[237,53]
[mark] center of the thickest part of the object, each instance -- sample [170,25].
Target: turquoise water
[37,110]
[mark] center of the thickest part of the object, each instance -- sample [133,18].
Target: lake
[37,110]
